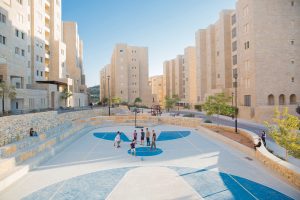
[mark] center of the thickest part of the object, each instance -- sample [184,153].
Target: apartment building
[104,78]
[33,54]
[74,64]
[260,49]
[129,74]
[189,83]
[268,50]
[156,83]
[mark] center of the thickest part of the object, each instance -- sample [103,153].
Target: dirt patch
[231,135]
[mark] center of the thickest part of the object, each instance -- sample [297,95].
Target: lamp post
[235,76]
[232,104]
[108,95]
[2,91]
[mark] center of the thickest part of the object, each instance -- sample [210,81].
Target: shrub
[198,107]
[207,121]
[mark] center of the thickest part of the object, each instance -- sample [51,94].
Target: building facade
[156,83]
[260,48]
[33,54]
[129,74]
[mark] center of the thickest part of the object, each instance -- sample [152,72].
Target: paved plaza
[186,165]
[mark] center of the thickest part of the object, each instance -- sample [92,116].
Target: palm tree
[7,91]
[65,95]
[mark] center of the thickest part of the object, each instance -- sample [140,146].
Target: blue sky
[166,27]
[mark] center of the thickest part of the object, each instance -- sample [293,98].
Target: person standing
[142,137]
[263,137]
[153,143]
[148,137]
[135,135]
[132,148]
[117,140]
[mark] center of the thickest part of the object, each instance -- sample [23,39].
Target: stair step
[13,175]
[6,165]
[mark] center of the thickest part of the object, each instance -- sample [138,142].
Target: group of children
[134,140]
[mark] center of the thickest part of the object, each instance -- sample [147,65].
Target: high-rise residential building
[156,83]
[104,78]
[129,74]
[260,48]
[74,64]
[189,76]
[268,49]
[33,54]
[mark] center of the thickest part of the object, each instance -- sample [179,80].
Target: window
[18,85]
[218,53]
[247,100]
[247,45]
[293,99]
[17,50]
[234,59]
[17,33]
[23,52]
[292,3]
[37,72]
[20,2]
[28,64]
[292,61]
[233,33]
[23,35]
[37,58]
[234,46]
[292,42]
[41,58]
[41,73]
[2,40]
[271,100]
[2,18]
[233,19]
[218,75]
[281,99]
[121,51]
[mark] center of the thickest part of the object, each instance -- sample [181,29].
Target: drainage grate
[249,158]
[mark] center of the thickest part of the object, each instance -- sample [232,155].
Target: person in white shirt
[117,139]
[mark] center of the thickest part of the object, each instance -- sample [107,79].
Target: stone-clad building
[128,73]
[33,56]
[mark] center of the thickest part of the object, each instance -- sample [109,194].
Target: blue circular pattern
[172,135]
[111,136]
[146,151]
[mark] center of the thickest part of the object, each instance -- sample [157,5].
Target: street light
[232,104]
[235,76]
[108,96]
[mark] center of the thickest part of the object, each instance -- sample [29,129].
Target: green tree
[65,95]
[7,91]
[169,103]
[137,100]
[218,104]
[116,100]
[285,132]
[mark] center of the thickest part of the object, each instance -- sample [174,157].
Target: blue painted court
[111,136]
[172,135]
[146,151]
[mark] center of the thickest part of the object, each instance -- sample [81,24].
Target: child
[132,147]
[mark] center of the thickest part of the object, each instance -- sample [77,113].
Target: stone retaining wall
[16,127]
[288,171]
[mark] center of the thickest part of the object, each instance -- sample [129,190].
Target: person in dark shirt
[142,137]
[32,133]
[263,137]
[258,144]
[132,147]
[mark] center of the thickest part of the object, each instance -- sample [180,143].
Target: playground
[185,165]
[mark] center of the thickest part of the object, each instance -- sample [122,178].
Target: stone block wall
[16,127]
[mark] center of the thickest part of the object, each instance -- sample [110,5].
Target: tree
[218,104]
[137,100]
[169,103]
[65,95]
[116,100]
[7,91]
[285,132]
